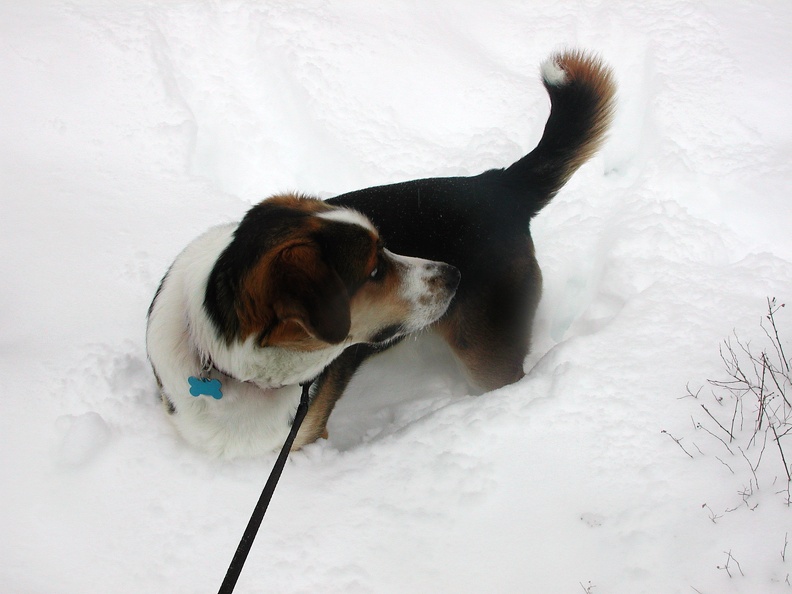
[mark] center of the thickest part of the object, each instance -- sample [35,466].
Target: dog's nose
[450,275]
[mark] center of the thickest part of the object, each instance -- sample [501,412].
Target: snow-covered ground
[129,127]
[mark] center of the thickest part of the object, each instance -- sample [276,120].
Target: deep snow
[130,127]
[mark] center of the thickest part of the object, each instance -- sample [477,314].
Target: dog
[480,225]
[221,312]
[249,311]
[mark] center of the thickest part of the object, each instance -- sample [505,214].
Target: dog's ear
[307,291]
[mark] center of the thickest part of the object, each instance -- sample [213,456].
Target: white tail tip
[552,73]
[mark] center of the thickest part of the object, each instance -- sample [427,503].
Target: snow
[129,127]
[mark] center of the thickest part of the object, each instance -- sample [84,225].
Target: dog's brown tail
[582,97]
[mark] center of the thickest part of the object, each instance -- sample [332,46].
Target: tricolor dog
[247,312]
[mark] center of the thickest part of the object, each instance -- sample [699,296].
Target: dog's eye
[379,271]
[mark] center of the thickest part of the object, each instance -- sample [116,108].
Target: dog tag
[203,386]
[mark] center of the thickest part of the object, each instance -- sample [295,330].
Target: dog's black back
[458,220]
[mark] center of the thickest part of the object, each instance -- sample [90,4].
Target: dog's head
[301,274]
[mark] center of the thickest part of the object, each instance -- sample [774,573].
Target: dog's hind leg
[489,327]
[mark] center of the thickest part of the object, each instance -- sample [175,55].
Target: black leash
[232,575]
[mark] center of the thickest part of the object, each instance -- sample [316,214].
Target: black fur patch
[169,404]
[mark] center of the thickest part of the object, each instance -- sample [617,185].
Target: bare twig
[677,442]
[751,466]
[746,494]
[737,403]
[789,429]
[690,394]
[712,515]
[762,397]
[724,463]
[729,433]
[771,306]
[729,559]
[726,445]
[761,452]
[781,450]
[774,373]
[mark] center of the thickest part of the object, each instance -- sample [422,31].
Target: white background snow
[129,127]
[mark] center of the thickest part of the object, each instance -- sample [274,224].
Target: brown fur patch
[300,202]
[379,304]
[291,297]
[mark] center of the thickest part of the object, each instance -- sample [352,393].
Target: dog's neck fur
[268,367]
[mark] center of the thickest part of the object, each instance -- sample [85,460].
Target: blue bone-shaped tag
[203,386]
